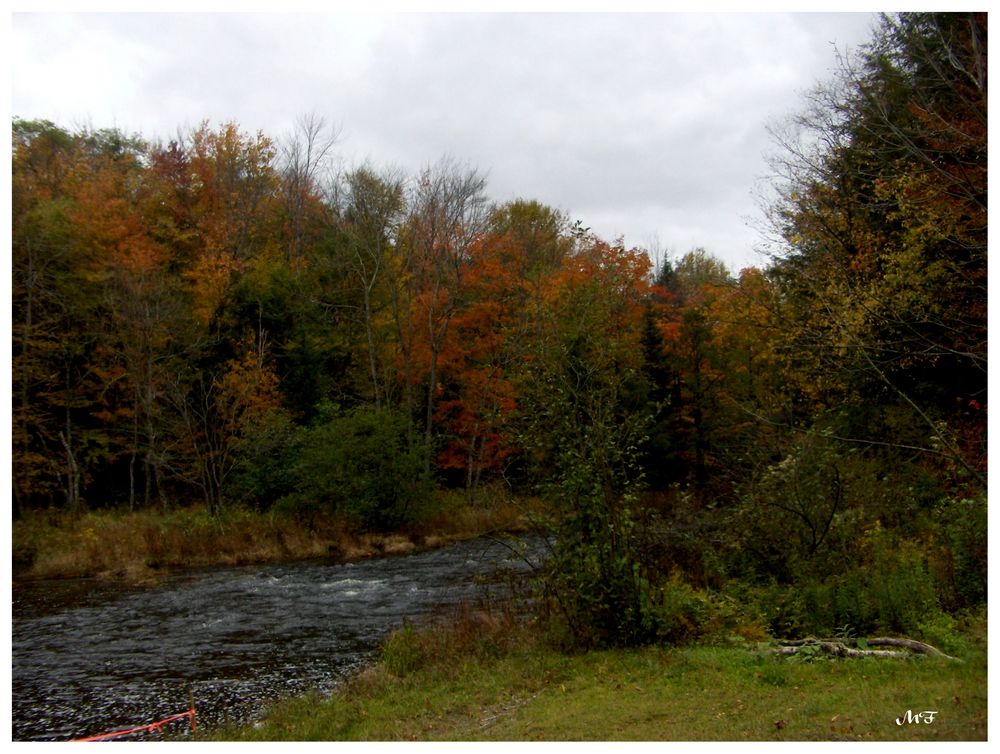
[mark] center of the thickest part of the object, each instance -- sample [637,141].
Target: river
[90,658]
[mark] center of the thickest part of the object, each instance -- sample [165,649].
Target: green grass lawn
[702,693]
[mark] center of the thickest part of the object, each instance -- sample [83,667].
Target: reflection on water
[89,658]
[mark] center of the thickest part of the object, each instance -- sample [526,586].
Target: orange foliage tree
[480,356]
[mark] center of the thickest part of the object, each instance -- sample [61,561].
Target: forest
[225,321]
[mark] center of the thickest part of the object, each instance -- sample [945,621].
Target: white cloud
[642,125]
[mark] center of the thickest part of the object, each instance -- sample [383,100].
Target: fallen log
[840,650]
[848,647]
[916,646]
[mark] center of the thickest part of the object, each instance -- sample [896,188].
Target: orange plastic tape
[157,726]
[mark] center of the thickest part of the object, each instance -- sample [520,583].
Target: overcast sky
[650,127]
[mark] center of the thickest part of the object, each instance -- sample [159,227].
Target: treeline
[222,318]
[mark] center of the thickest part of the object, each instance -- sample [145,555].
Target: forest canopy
[224,319]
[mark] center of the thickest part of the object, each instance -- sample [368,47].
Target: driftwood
[850,647]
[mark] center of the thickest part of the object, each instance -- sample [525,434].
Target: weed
[402,653]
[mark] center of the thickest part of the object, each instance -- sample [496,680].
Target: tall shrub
[583,421]
[360,465]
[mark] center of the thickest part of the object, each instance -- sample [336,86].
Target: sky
[651,127]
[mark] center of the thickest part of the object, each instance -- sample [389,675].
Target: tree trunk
[72,472]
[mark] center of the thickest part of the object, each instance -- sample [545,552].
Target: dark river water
[90,659]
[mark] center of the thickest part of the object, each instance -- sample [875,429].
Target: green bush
[359,465]
[893,591]
[796,517]
[961,565]
[942,631]
[901,585]
[682,614]
[595,577]
[265,458]
[600,592]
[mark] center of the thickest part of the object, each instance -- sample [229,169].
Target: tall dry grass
[136,546]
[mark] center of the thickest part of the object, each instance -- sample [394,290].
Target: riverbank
[139,547]
[482,679]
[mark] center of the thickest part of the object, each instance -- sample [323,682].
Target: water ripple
[89,659]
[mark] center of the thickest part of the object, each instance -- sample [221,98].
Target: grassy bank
[484,680]
[138,546]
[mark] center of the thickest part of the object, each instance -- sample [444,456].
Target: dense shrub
[263,471]
[893,592]
[359,465]
[598,587]
[681,613]
[960,564]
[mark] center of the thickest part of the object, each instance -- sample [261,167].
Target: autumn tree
[220,409]
[373,211]
[480,358]
[882,210]
[448,212]
[879,299]
[510,270]
[583,419]
[73,224]
[42,254]
[232,187]
[688,329]
[303,171]
[144,308]
[543,234]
